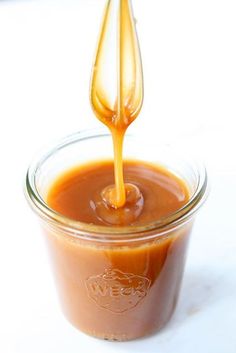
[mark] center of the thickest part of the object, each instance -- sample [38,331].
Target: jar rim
[107,233]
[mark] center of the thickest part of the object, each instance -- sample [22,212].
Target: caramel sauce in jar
[122,289]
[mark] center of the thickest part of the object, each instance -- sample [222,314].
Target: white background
[189,58]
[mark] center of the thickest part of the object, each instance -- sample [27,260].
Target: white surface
[46,51]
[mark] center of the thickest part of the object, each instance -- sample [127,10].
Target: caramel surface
[77,192]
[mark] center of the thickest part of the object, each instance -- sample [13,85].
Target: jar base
[122,337]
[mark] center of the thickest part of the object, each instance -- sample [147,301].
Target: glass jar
[116,283]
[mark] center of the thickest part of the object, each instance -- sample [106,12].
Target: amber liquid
[117,108]
[76,193]
[118,290]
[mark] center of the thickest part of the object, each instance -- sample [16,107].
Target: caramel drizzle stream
[117,108]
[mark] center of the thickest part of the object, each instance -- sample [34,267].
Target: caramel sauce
[76,194]
[117,88]
[118,290]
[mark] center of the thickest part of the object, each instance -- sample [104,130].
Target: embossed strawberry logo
[117,291]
